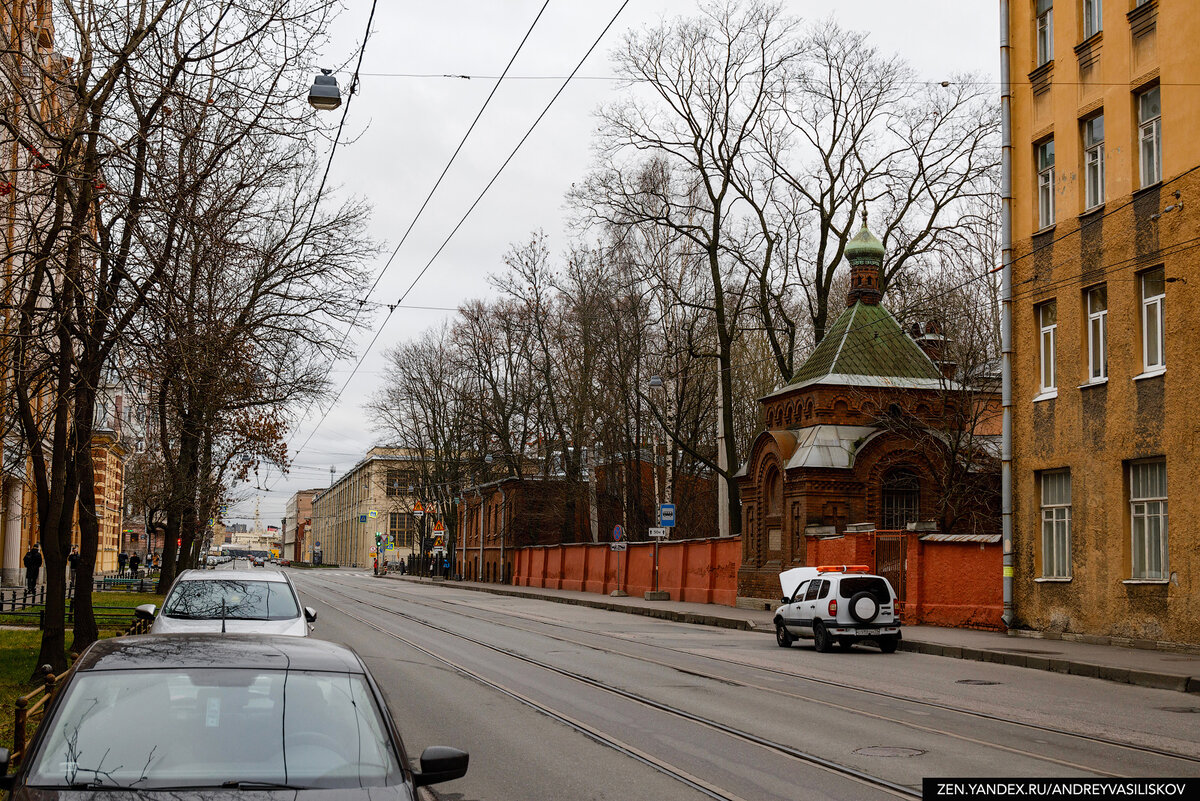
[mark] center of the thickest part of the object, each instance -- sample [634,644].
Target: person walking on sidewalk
[33,566]
[122,558]
[73,563]
[135,562]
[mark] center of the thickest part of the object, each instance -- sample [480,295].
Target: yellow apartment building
[1105,288]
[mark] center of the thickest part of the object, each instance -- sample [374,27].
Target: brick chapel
[832,473]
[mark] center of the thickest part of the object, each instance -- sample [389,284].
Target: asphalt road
[564,702]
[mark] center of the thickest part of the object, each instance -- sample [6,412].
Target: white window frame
[1044,27]
[1044,160]
[1093,18]
[1056,524]
[1153,326]
[1093,162]
[1096,299]
[1048,347]
[1148,523]
[1149,138]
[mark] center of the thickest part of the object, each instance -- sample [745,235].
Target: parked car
[264,602]
[221,717]
[845,604]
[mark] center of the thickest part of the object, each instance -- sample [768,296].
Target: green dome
[864,247]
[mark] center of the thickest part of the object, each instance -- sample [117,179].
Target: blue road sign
[362,518]
[618,533]
[666,515]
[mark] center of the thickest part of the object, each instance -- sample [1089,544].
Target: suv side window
[813,588]
[824,589]
[799,594]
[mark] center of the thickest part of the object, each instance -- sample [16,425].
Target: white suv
[837,603]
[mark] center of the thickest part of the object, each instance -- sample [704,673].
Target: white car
[234,601]
[837,603]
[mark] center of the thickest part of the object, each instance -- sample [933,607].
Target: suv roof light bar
[843,569]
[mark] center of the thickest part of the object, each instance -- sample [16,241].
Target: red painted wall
[700,571]
[946,583]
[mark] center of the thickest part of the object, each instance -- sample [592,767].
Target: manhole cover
[888,751]
[1180,709]
[1030,651]
[978,682]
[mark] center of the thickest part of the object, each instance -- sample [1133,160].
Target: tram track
[791,676]
[605,738]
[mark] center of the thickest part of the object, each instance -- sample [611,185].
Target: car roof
[212,650]
[232,575]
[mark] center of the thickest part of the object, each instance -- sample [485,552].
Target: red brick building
[856,446]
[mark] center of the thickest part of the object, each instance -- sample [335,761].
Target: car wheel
[845,643]
[889,644]
[821,639]
[783,637]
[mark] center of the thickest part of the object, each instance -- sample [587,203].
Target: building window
[1045,166]
[1048,321]
[1056,524]
[1093,160]
[1154,293]
[1097,337]
[1150,136]
[1148,516]
[901,499]
[1092,22]
[1045,31]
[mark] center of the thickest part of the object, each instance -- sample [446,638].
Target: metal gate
[889,561]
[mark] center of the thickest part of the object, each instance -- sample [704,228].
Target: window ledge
[1045,396]
[1095,382]
[1151,374]
[1044,230]
[1146,581]
[1052,580]
[1094,211]
[1147,188]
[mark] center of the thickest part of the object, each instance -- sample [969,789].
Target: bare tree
[102,210]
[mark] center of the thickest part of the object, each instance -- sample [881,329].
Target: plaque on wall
[774,539]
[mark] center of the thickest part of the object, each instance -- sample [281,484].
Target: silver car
[235,601]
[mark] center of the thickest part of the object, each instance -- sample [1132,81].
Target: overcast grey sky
[401,131]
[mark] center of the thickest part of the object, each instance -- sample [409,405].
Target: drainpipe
[503,522]
[1006,495]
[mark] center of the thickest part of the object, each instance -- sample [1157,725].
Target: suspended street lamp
[324,94]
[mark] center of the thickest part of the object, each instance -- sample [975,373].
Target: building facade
[853,467]
[1105,277]
[298,524]
[376,496]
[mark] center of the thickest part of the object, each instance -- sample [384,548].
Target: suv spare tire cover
[863,607]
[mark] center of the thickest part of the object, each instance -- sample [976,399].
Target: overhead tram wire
[462,220]
[428,197]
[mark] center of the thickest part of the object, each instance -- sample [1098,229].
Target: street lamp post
[656,594]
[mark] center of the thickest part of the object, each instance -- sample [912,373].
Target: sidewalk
[1144,667]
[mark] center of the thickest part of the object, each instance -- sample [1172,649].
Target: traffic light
[378,539]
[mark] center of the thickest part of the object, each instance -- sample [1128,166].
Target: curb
[1177,682]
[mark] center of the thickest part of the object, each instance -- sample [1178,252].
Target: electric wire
[460,223]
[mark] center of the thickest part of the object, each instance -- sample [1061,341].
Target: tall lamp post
[656,594]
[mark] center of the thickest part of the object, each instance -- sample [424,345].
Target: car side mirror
[6,781]
[440,763]
[145,612]
[785,600]
[310,614]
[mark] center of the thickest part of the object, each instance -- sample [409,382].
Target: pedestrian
[135,562]
[73,562]
[33,565]
[122,558]
[403,569]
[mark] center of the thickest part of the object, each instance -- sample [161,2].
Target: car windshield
[853,585]
[211,599]
[207,728]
